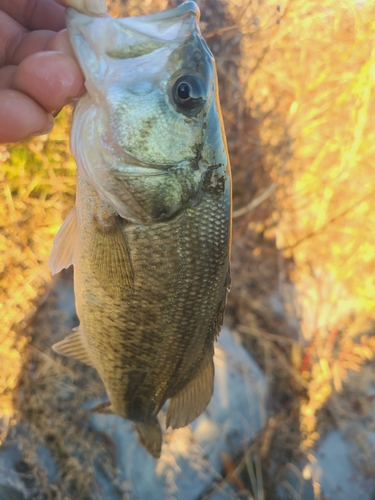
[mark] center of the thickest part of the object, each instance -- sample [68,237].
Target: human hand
[38,70]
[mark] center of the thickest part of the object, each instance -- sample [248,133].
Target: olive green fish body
[149,236]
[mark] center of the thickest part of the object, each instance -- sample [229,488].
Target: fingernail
[82,93]
[48,128]
[96,6]
[76,98]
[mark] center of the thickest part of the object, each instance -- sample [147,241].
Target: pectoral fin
[75,346]
[110,254]
[151,437]
[189,403]
[62,254]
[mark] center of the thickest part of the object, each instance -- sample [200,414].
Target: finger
[29,43]
[16,43]
[35,14]
[61,43]
[11,34]
[86,6]
[6,76]
[51,78]
[21,117]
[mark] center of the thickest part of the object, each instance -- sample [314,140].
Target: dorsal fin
[62,255]
[189,403]
[75,346]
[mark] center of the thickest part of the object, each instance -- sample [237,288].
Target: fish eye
[189,94]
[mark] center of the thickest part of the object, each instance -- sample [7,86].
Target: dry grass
[37,185]
[322,92]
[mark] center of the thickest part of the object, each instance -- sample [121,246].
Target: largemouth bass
[150,233]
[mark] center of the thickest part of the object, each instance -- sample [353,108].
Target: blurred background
[297,81]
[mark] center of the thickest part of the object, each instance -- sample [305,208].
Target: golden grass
[312,75]
[306,71]
[37,184]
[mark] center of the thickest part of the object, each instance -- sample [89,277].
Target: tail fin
[151,437]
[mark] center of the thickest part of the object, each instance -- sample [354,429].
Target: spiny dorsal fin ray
[62,255]
[189,403]
[75,346]
[151,437]
[105,408]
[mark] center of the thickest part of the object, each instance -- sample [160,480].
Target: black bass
[150,233]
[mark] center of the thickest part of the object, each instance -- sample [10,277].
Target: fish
[150,233]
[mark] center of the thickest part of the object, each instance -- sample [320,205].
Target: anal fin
[192,400]
[75,346]
[62,255]
[151,437]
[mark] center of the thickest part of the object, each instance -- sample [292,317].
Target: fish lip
[189,7]
[100,33]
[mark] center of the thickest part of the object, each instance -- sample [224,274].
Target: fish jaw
[98,40]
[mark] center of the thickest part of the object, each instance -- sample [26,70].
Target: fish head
[152,82]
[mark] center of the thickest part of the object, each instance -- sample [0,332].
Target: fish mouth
[131,37]
[185,8]
[189,7]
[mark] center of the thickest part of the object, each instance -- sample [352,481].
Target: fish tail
[150,436]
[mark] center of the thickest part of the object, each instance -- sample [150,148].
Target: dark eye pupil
[188,94]
[183,91]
